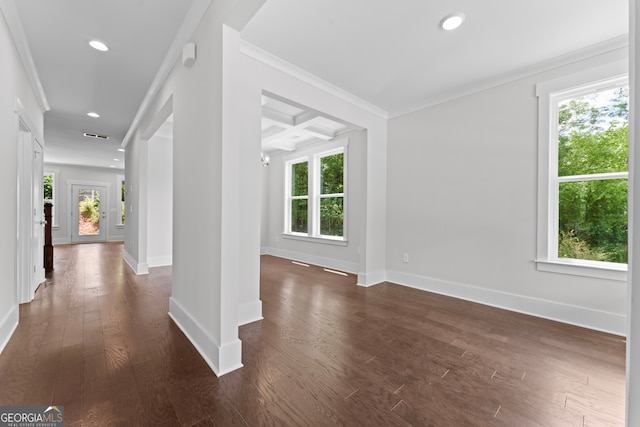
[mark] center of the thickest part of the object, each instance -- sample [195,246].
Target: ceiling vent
[93,135]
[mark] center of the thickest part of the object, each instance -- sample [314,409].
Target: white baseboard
[334,264]
[61,241]
[249,312]
[370,279]
[8,326]
[593,319]
[221,359]
[138,268]
[117,238]
[160,261]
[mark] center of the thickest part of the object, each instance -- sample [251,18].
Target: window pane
[331,174]
[300,179]
[299,217]
[48,187]
[331,216]
[89,212]
[593,133]
[593,220]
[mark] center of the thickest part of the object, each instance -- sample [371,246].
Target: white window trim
[313,156]
[548,94]
[54,210]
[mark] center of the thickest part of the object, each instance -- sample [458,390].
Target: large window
[315,194]
[586,183]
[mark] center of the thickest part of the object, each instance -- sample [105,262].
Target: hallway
[97,340]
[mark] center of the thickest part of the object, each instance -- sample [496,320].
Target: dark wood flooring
[97,339]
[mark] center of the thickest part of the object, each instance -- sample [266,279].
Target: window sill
[609,271]
[326,240]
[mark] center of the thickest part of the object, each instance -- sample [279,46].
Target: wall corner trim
[222,359]
[8,326]
[249,312]
[138,268]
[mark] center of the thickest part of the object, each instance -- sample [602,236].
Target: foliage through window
[49,184]
[591,182]
[315,194]
[123,192]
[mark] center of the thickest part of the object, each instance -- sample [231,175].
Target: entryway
[88,213]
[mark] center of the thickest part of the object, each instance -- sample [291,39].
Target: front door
[88,213]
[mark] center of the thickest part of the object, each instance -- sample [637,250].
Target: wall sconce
[264,159]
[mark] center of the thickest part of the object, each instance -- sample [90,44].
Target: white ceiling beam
[278,118]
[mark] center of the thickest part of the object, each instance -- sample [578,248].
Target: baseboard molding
[117,238]
[8,326]
[370,279]
[249,312]
[221,359]
[334,264]
[160,261]
[579,316]
[61,241]
[138,268]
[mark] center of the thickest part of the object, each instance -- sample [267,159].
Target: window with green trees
[591,182]
[315,193]
[331,197]
[299,197]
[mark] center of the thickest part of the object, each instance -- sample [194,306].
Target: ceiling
[78,79]
[287,126]
[391,54]
[394,55]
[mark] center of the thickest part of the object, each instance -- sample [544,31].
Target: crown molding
[609,46]
[294,71]
[11,16]
[189,25]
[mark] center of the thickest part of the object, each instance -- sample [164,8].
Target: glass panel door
[89,214]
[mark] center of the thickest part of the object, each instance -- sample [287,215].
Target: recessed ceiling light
[98,45]
[452,21]
[111,166]
[92,114]
[121,150]
[116,160]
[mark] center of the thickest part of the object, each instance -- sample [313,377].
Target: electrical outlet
[405,257]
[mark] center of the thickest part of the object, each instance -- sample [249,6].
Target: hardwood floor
[97,339]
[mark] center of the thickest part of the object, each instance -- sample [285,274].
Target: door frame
[27,270]
[72,208]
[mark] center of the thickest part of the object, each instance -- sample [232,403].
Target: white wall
[14,86]
[462,203]
[66,175]
[160,201]
[345,258]
[206,170]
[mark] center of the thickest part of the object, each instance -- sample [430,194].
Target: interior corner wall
[62,233]
[135,231]
[160,201]
[343,258]
[462,204]
[14,86]
[258,77]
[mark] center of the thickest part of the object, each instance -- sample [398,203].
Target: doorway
[30,241]
[88,213]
